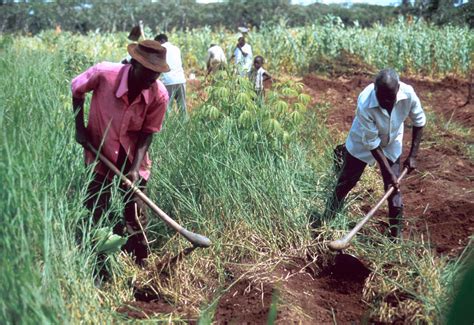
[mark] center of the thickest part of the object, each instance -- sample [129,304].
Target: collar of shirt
[122,88]
[374,103]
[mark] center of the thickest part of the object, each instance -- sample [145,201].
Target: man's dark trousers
[350,174]
[98,197]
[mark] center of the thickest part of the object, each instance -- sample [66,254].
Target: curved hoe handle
[195,239]
[344,242]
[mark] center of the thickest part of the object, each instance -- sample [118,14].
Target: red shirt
[112,119]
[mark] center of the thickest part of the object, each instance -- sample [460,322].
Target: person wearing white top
[258,75]
[376,135]
[175,80]
[243,57]
[216,59]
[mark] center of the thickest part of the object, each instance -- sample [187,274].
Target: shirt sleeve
[85,82]
[155,115]
[417,115]
[369,132]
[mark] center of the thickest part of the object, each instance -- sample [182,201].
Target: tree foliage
[163,15]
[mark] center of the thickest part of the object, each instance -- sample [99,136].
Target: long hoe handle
[344,242]
[195,239]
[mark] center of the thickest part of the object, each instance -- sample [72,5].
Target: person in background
[135,34]
[174,80]
[243,57]
[376,135]
[128,106]
[216,59]
[258,75]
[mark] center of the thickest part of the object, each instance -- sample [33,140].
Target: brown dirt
[300,293]
[245,303]
[145,309]
[438,206]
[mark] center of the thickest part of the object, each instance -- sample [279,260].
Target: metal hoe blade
[348,266]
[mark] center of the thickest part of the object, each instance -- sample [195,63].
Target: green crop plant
[279,113]
[414,48]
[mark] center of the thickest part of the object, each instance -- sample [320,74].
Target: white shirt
[215,55]
[373,126]
[244,63]
[257,77]
[173,58]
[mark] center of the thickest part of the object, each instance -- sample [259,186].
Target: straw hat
[151,54]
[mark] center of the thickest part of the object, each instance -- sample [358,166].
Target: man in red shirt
[128,105]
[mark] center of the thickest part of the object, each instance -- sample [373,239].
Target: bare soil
[439,205]
[300,292]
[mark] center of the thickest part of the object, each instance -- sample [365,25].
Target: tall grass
[204,177]
[46,269]
[251,199]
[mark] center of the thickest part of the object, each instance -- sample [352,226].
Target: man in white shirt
[376,136]
[216,59]
[243,57]
[174,81]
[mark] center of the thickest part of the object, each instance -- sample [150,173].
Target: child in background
[258,75]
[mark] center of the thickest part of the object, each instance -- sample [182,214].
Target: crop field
[247,173]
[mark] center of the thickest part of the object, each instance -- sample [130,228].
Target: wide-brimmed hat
[151,54]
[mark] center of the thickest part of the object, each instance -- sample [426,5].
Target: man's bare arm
[410,162]
[78,110]
[143,143]
[387,174]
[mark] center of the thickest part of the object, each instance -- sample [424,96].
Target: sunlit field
[246,173]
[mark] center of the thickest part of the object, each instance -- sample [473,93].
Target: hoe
[195,239]
[349,262]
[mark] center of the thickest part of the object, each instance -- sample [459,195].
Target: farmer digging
[376,135]
[128,105]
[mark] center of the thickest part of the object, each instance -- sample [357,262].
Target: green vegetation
[411,48]
[244,174]
[167,15]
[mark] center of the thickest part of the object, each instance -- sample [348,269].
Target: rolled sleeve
[369,132]
[417,115]
[85,82]
[155,115]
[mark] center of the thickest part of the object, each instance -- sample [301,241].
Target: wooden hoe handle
[195,239]
[344,242]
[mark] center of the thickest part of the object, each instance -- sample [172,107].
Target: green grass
[251,198]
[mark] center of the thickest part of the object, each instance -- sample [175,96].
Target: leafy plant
[275,117]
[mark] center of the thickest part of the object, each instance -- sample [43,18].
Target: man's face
[146,76]
[387,97]
[241,41]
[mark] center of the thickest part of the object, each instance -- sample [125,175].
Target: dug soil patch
[294,292]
